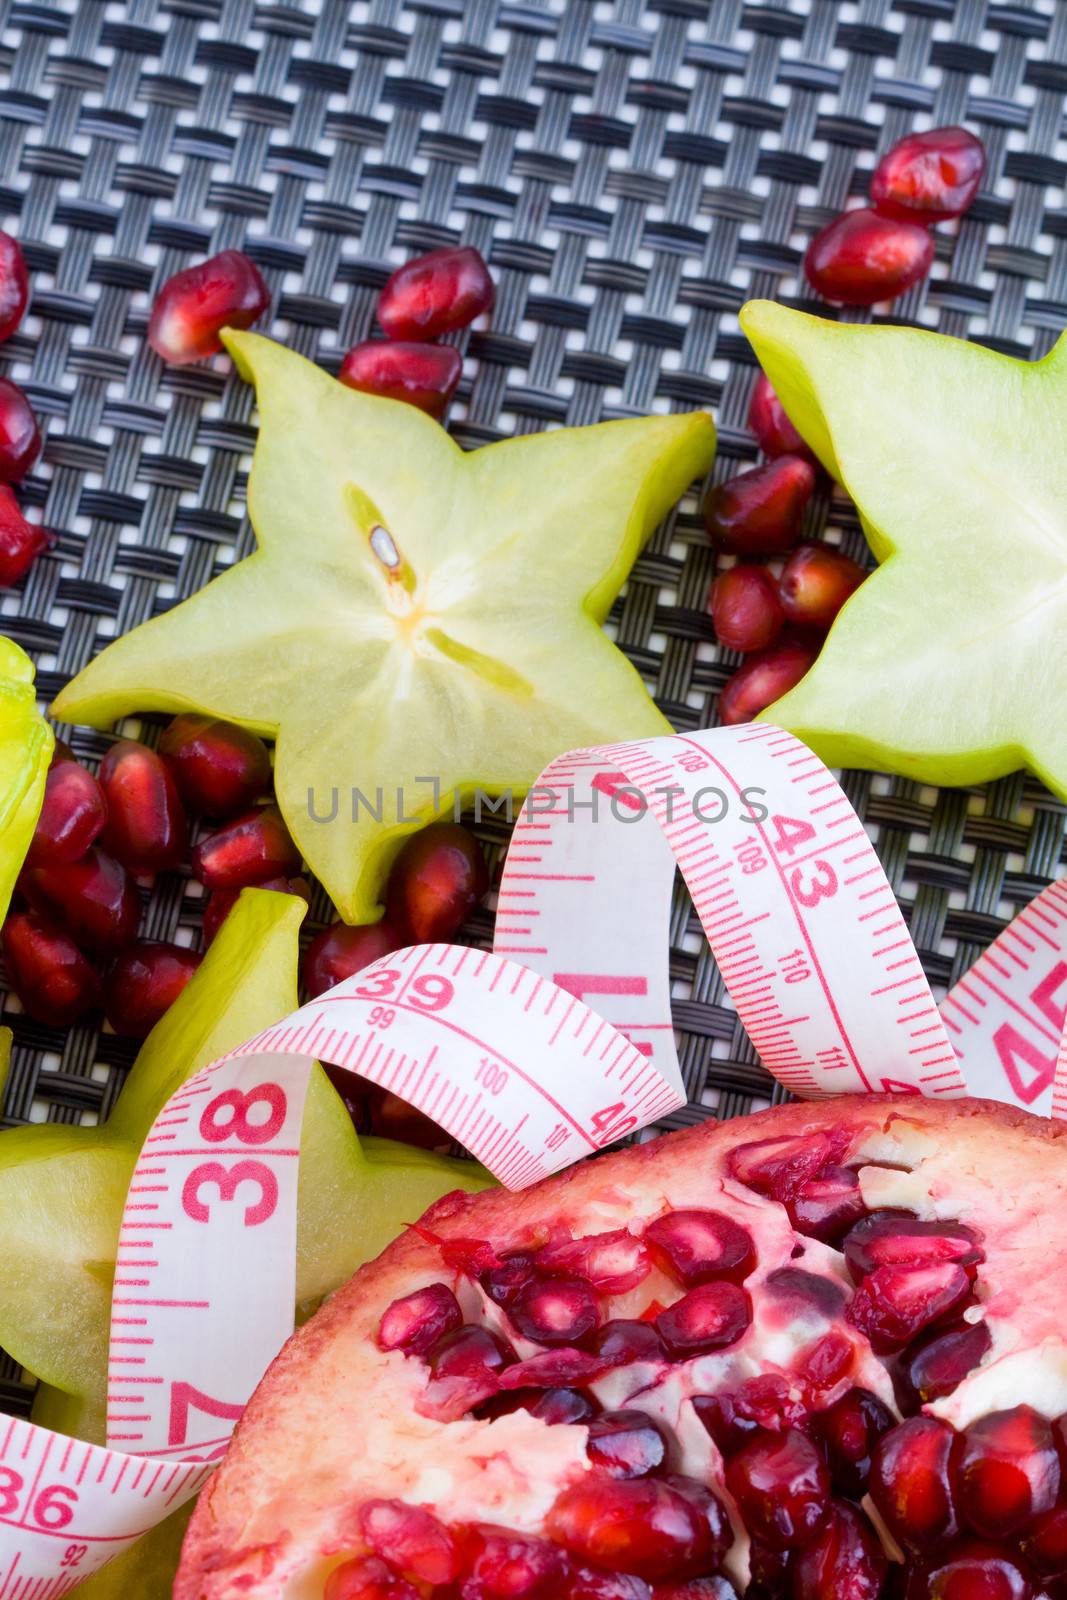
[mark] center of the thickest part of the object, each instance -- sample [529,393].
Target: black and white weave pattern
[634,170]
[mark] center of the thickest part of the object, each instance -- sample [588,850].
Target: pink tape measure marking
[504,1051]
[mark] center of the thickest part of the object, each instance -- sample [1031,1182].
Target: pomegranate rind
[291,1482]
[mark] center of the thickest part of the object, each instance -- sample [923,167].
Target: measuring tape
[556,1043]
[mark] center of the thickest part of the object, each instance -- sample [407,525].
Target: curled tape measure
[555,1044]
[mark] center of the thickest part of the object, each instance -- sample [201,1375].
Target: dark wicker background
[633,171]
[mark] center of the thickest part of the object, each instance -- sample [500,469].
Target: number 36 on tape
[556,1043]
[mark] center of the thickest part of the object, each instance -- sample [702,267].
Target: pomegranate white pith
[757,1370]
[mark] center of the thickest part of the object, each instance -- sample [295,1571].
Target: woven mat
[633,172]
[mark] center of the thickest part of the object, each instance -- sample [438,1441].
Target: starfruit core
[26,745]
[947,664]
[62,1189]
[413,612]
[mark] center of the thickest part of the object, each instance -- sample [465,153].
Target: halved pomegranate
[566,1392]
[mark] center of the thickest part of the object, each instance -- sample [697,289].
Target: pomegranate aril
[411,1539]
[971,1570]
[1045,1544]
[469,1351]
[95,898]
[220,902]
[14,285]
[827,1359]
[146,827]
[893,1304]
[709,1317]
[555,1311]
[623,1340]
[712,1512]
[614,1263]
[503,1282]
[556,1406]
[782,1488]
[844,1561]
[698,1246]
[638,1525]
[435,882]
[815,583]
[769,421]
[21,542]
[367,1578]
[551,1368]
[628,1444]
[827,1206]
[911,1483]
[714,1588]
[769,1573]
[848,1431]
[725,1421]
[249,850]
[73,814]
[435,293]
[1006,1471]
[144,983]
[219,768]
[417,1320]
[928,177]
[394,1118]
[765,677]
[779,1168]
[938,1361]
[513,1566]
[806,1292]
[339,951]
[860,258]
[759,512]
[423,375]
[193,307]
[765,1401]
[746,610]
[887,1239]
[587,1583]
[54,981]
[20,438]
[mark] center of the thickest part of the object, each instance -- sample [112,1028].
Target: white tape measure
[555,1044]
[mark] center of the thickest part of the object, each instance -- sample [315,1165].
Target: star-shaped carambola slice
[417,621]
[25,750]
[948,664]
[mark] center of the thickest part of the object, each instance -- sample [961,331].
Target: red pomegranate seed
[221,902]
[219,768]
[778,1168]
[563,1405]
[714,1588]
[861,258]
[759,513]
[503,1282]
[709,1317]
[53,980]
[623,1341]
[746,611]
[769,1570]
[436,881]
[782,1488]
[827,1206]
[910,1482]
[614,1263]
[514,1566]
[938,1361]
[815,583]
[411,1539]
[848,1431]
[929,177]
[843,1562]
[628,1444]
[423,375]
[885,1239]
[144,983]
[469,1351]
[710,1509]
[14,285]
[416,1321]
[73,813]
[1045,1545]
[1007,1471]
[588,1584]
[971,1570]
[249,850]
[21,542]
[367,1578]
[146,827]
[95,898]
[764,1402]
[808,1291]
[827,1360]
[394,1118]
[436,293]
[20,439]
[339,951]
[555,1311]
[769,421]
[893,1304]
[699,1246]
[193,307]
[637,1525]
[765,677]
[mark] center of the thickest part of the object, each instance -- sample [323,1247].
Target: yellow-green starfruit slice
[26,744]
